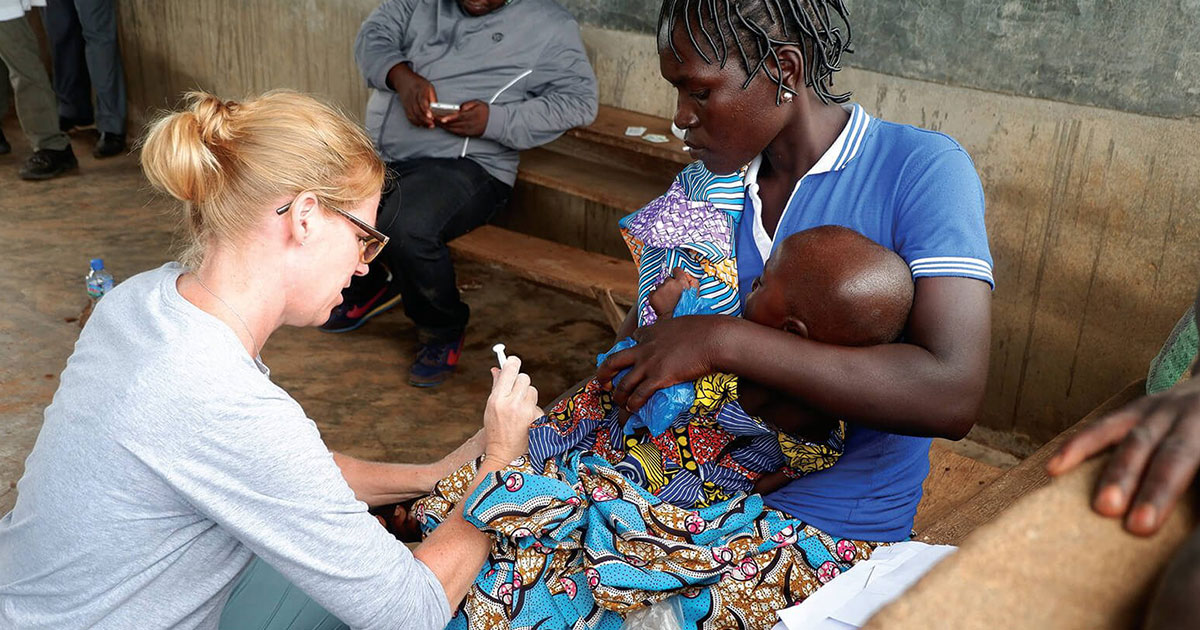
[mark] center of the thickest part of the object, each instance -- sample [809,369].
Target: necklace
[231,310]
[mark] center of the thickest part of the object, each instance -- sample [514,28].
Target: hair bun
[181,151]
[213,117]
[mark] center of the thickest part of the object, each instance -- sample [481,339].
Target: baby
[698,443]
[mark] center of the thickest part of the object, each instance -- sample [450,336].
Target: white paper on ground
[851,598]
[635,131]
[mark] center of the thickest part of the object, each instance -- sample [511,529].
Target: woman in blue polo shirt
[754,80]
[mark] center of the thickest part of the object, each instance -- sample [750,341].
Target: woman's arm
[267,479]
[456,550]
[381,483]
[932,385]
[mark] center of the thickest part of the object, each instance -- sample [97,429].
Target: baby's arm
[664,298]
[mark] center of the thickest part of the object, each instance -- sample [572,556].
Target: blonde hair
[225,159]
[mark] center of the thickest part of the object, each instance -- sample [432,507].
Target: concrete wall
[1092,212]
[235,48]
[1120,54]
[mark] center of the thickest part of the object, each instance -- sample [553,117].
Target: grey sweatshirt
[534,42]
[167,458]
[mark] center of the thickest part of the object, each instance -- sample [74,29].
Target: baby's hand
[664,298]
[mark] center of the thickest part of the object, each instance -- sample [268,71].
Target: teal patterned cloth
[1174,360]
[579,546]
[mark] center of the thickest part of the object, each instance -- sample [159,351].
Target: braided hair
[754,29]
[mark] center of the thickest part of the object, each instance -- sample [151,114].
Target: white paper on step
[850,599]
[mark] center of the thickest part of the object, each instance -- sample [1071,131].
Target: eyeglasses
[368,247]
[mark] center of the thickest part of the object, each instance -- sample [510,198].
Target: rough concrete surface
[353,384]
[1121,54]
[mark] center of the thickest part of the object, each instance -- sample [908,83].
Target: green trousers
[263,599]
[37,107]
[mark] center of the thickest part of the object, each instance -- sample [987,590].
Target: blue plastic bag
[666,404]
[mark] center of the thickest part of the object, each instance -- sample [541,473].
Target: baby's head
[833,285]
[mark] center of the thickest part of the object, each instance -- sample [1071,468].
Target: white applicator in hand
[500,356]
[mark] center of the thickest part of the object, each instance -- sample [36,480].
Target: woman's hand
[1157,455]
[671,351]
[511,408]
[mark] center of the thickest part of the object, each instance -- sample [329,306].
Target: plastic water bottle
[99,281]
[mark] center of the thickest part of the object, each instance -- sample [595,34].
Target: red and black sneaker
[435,363]
[366,297]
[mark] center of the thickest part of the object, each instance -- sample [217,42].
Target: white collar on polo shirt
[835,158]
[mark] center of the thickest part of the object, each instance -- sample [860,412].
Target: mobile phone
[443,109]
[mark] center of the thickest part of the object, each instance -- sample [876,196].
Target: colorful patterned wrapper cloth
[677,231]
[700,446]
[577,545]
[712,451]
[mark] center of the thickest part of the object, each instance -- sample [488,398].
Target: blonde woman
[168,461]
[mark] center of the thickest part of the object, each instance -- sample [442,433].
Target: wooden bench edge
[609,296]
[1019,480]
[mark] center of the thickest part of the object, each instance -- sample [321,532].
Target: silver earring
[787,97]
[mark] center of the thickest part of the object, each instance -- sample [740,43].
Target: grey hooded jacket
[526,59]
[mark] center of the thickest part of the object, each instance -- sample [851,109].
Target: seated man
[515,76]
[579,541]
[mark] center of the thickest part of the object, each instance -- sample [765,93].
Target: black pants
[83,42]
[435,201]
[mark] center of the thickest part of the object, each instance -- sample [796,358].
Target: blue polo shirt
[916,192]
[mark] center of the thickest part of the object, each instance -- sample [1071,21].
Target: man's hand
[1157,455]
[415,94]
[470,121]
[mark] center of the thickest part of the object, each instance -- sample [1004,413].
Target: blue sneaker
[367,296]
[435,363]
